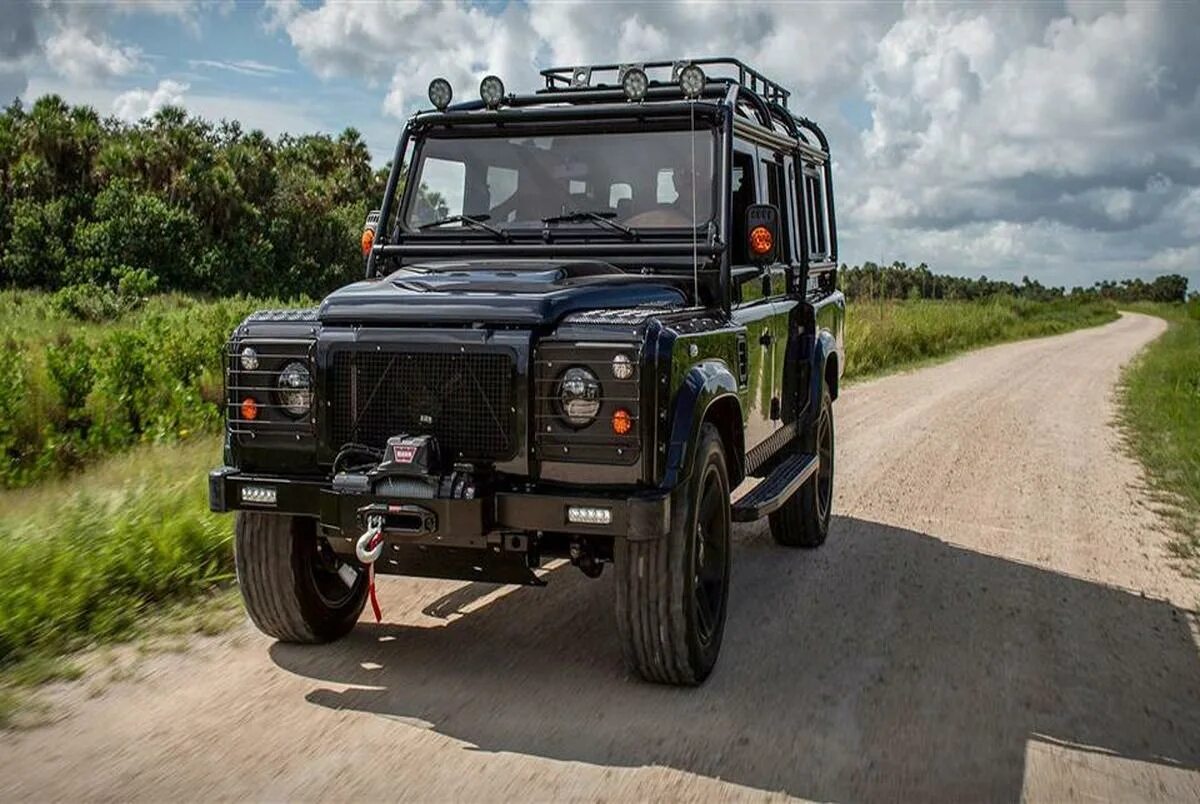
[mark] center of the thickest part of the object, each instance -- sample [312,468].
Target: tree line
[175,203]
[92,206]
[902,281]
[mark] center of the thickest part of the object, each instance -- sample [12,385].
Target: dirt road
[992,619]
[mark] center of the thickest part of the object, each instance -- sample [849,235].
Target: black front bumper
[446,522]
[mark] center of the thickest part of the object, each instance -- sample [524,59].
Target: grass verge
[1160,412]
[88,559]
[885,336]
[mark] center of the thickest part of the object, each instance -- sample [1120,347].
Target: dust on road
[992,618]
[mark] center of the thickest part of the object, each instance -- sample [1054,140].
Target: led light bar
[582,515]
[258,495]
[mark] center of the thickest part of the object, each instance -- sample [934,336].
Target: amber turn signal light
[368,240]
[622,422]
[249,409]
[761,241]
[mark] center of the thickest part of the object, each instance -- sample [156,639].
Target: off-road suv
[590,313]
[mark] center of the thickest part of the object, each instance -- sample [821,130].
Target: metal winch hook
[370,544]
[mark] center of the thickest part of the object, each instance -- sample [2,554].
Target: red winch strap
[371,593]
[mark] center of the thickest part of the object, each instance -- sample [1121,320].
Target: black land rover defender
[589,314]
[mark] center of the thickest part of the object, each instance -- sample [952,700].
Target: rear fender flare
[824,348]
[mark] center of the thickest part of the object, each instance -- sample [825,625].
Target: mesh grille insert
[465,400]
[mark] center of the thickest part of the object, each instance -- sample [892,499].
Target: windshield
[641,179]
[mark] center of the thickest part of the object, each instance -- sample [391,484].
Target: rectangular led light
[581,515]
[258,495]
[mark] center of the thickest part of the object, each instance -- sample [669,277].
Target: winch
[411,468]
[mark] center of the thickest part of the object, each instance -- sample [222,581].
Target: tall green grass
[73,391]
[86,559]
[1160,404]
[881,336]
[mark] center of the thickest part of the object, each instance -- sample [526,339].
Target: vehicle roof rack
[581,76]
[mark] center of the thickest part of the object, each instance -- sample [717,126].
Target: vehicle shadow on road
[888,663]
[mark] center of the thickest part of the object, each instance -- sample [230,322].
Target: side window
[744,195]
[792,219]
[665,191]
[773,170]
[621,191]
[814,201]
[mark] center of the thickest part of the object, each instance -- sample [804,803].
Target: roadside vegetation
[1160,403]
[77,387]
[95,557]
[887,335]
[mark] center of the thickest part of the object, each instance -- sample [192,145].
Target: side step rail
[775,489]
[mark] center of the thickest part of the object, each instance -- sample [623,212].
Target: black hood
[523,292]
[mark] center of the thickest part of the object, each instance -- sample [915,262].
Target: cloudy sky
[1055,139]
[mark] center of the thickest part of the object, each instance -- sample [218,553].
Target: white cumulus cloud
[138,103]
[80,56]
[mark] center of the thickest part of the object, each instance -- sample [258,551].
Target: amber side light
[249,409]
[622,422]
[368,240]
[760,240]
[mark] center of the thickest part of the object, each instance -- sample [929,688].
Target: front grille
[465,400]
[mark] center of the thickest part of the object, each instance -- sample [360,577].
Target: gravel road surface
[993,618]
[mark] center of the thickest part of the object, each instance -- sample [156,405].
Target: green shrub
[142,370]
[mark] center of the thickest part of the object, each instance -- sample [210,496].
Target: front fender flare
[704,384]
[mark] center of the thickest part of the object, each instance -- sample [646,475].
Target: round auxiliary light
[622,367]
[761,241]
[579,396]
[295,389]
[622,421]
[440,93]
[368,240]
[635,83]
[691,81]
[249,359]
[491,90]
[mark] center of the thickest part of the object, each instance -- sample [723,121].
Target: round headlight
[440,93]
[295,389]
[249,359]
[579,396]
[622,367]
[635,83]
[491,90]
[691,80]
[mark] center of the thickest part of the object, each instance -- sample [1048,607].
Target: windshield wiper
[603,218]
[470,221]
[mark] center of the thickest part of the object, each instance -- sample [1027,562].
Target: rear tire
[803,521]
[672,592]
[289,581]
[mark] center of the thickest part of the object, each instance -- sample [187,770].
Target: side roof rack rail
[589,76]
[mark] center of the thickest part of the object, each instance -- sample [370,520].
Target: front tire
[803,521]
[289,580]
[672,592]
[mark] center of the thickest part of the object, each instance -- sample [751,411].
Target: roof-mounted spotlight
[440,93]
[491,90]
[581,77]
[635,83]
[691,81]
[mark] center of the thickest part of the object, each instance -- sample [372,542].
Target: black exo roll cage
[570,94]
